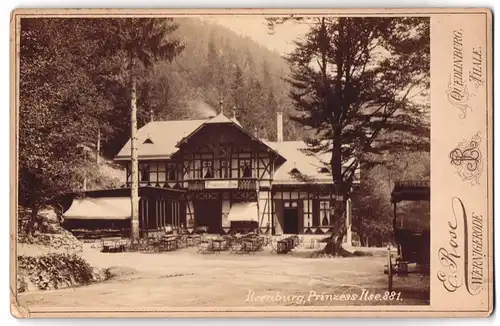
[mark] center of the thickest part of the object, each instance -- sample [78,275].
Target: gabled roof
[222,119]
[160,139]
[164,136]
[309,166]
[301,167]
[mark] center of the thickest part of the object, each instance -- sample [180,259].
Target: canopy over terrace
[111,209]
[105,208]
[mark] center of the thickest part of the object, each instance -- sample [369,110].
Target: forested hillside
[216,64]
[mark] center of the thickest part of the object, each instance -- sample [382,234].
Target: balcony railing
[206,184]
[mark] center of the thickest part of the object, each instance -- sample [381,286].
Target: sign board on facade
[221,184]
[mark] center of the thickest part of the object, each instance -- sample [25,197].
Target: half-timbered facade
[231,179]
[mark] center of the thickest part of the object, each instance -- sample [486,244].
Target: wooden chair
[205,247]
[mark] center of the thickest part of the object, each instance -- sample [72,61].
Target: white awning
[243,211]
[107,208]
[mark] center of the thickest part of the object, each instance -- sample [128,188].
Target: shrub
[54,271]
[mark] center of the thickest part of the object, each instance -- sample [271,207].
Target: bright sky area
[255,27]
[281,41]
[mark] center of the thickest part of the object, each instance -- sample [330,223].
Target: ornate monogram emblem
[468,160]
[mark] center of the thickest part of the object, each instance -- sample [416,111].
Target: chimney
[279,126]
[234,112]
[221,102]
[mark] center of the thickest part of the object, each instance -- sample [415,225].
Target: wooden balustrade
[202,184]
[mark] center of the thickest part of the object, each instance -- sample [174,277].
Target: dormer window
[148,141]
[294,171]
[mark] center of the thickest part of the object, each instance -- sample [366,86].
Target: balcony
[206,184]
[209,184]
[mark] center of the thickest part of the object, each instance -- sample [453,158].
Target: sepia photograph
[214,162]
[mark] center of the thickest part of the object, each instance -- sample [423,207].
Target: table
[217,244]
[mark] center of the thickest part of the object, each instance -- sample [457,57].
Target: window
[207,170]
[324,212]
[161,173]
[171,172]
[235,168]
[195,171]
[245,168]
[224,169]
[144,169]
[153,172]
[308,212]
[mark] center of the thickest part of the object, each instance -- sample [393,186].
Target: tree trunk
[362,239]
[339,237]
[334,244]
[30,227]
[134,197]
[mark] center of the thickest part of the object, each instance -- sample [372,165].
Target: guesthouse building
[230,179]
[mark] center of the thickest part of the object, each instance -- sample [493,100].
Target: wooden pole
[348,221]
[134,196]
[257,188]
[98,147]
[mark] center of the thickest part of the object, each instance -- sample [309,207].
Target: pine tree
[354,81]
[141,42]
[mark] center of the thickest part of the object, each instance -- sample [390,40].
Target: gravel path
[187,279]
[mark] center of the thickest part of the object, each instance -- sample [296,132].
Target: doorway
[208,213]
[291,217]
